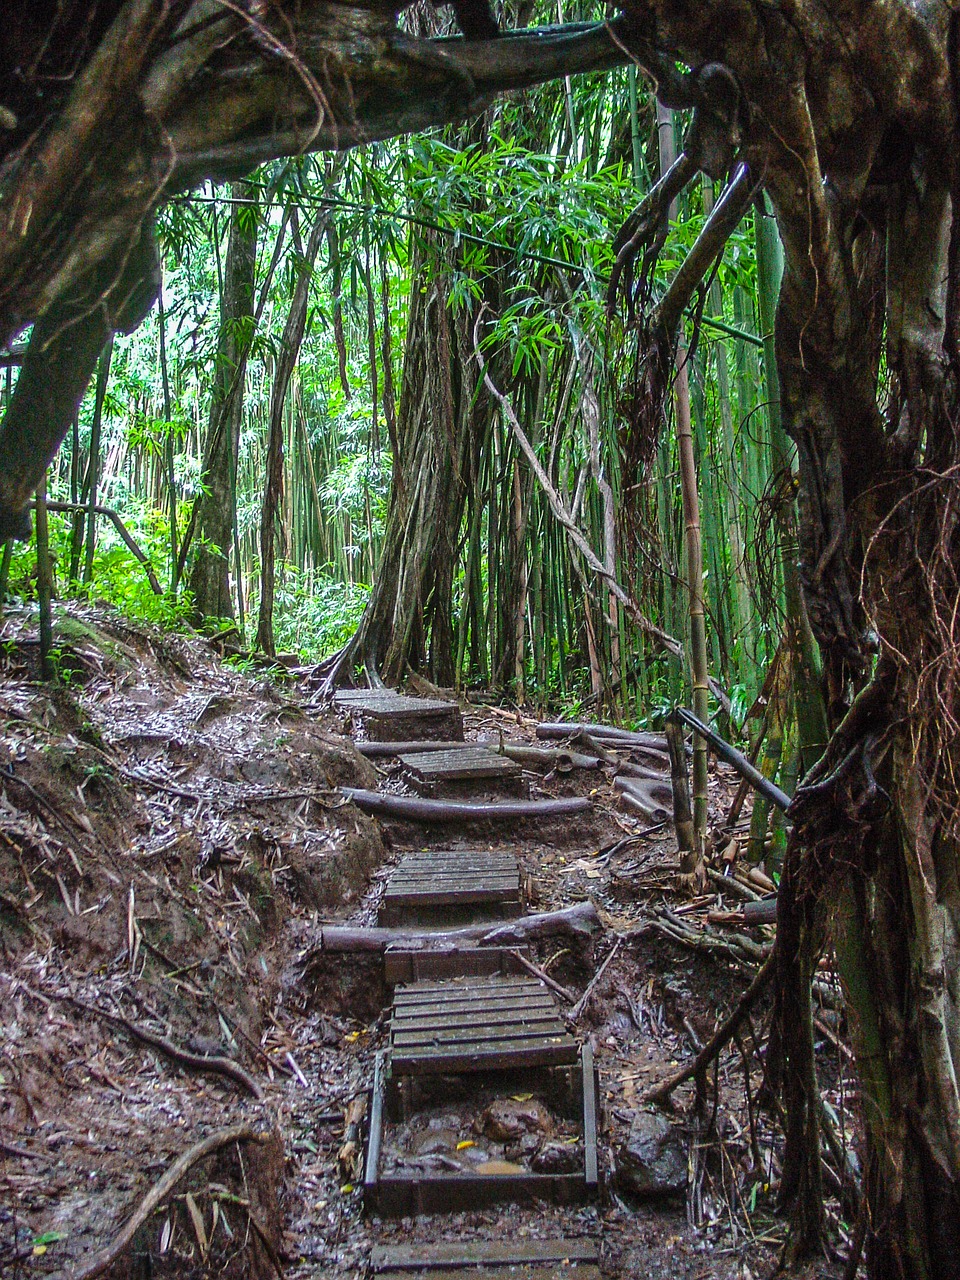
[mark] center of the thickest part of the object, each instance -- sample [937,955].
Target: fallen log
[413,809]
[611,757]
[762,912]
[552,757]
[577,921]
[650,741]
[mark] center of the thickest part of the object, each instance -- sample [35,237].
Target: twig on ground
[581,1004]
[216,1066]
[537,972]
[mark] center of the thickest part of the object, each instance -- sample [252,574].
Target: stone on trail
[651,1161]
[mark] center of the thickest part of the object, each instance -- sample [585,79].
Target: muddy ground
[171,838]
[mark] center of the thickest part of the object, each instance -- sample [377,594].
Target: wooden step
[462,772]
[431,886]
[383,715]
[403,965]
[483,1259]
[397,1191]
[432,1031]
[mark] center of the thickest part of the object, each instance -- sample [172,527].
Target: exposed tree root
[159,1192]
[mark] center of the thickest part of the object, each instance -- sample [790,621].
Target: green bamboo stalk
[48,670]
[103,373]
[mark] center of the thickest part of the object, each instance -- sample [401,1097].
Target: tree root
[159,1192]
[215,1066]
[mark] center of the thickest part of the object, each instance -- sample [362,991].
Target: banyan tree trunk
[441,426]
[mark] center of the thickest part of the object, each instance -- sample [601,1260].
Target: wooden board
[383,715]
[429,1033]
[432,884]
[403,966]
[462,771]
[479,1259]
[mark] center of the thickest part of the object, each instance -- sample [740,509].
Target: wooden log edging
[414,809]
[577,921]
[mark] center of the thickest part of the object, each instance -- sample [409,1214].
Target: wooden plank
[527,1271]
[484,1000]
[456,989]
[474,1040]
[538,1051]
[492,1018]
[405,1257]
[495,881]
[490,895]
[400,1196]
[371,1169]
[388,700]
[411,966]
[451,1010]
[523,1271]
[486,1010]
[376,750]
[388,716]
[465,763]
[494,1015]
[590,1168]
[458,863]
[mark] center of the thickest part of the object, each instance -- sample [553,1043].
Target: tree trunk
[289,352]
[408,623]
[217,503]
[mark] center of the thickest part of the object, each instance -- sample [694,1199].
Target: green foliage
[316,617]
[518,216]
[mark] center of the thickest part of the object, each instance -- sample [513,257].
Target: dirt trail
[170,836]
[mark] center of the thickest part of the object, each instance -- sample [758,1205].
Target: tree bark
[441,423]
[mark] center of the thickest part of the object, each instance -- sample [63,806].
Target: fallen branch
[579,920]
[581,1004]
[11,1149]
[159,1192]
[737,760]
[535,971]
[564,729]
[413,809]
[650,799]
[215,1066]
[604,752]
[721,1037]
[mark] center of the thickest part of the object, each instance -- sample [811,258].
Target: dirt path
[171,835]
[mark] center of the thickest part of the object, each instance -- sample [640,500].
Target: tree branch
[630,605]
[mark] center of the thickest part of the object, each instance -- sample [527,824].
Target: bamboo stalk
[699,669]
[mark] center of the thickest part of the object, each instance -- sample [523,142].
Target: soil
[171,838]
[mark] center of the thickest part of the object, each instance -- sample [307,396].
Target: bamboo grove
[336,404]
